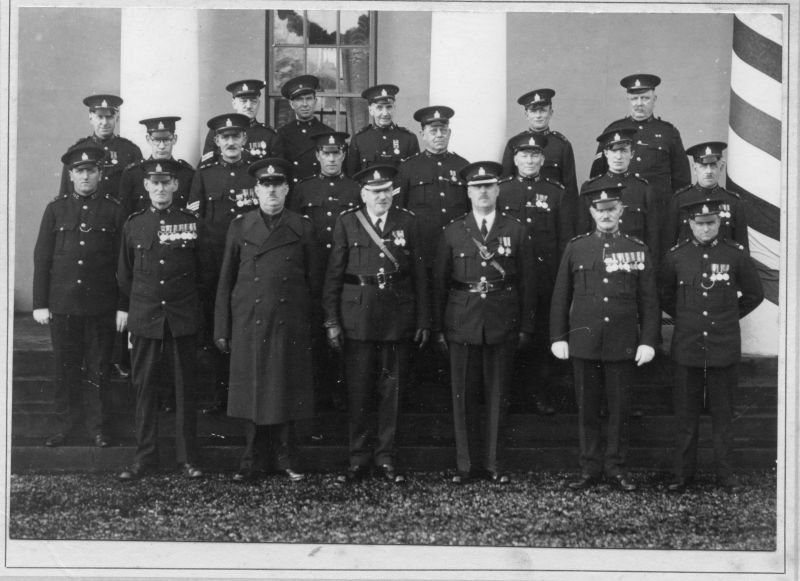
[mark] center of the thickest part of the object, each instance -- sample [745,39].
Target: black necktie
[484,229]
[379,225]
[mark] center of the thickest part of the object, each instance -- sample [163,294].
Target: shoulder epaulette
[349,210]
[634,239]
[734,194]
[305,179]
[555,183]
[132,165]
[406,210]
[456,219]
[112,199]
[185,164]
[579,236]
[594,178]
[136,213]
[187,211]
[734,244]
[410,157]
[683,189]
[59,197]
[363,129]
[208,163]
[510,217]
[505,180]
[679,244]
[640,178]
[239,217]
[561,136]
[304,216]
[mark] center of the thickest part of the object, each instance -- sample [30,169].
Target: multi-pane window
[338,46]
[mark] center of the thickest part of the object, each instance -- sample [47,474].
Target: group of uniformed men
[296,252]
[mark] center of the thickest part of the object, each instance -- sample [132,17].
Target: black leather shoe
[678,486]
[191,471]
[55,440]
[387,472]
[622,483]
[293,476]
[462,478]
[119,371]
[353,474]
[497,477]
[135,472]
[731,484]
[102,441]
[244,475]
[543,408]
[584,483]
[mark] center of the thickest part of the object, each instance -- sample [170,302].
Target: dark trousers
[81,342]
[266,444]
[374,368]
[179,354]
[719,383]
[476,368]
[591,377]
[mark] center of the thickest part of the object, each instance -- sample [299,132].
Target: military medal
[724,211]
[396,145]
[114,159]
[541,202]
[453,176]
[399,237]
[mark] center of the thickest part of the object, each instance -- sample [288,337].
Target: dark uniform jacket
[640,218]
[605,301]
[262,141]
[430,187]
[220,192]
[559,160]
[367,312]
[322,199]
[299,148]
[120,153]
[161,270]
[540,204]
[373,145]
[134,197]
[733,219]
[492,317]
[708,288]
[264,306]
[658,156]
[75,257]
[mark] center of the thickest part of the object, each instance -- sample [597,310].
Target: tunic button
[233,191]
[161,282]
[439,163]
[232,174]
[606,319]
[483,264]
[705,313]
[295,164]
[163,302]
[705,256]
[86,207]
[444,209]
[705,333]
[83,225]
[638,159]
[79,281]
[606,245]
[330,214]
[605,281]
[529,219]
[705,294]
[161,261]
[255,279]
[605,299]
[80,262]
[382,255]
[258,321]
[162,222]
[82,243]
[331,183]
[283,300]
[441,194]
[328,229]
[327,246]
[705,275]
[258,301]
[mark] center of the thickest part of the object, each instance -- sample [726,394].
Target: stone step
[26,458]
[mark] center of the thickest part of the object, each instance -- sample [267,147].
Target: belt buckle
[381,278]
[483,287]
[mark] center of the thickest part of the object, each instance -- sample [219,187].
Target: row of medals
[626,261]
[246,198]
[258,148]
[173,232]
[720,272]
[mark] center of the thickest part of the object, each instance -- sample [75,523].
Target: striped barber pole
[754,157]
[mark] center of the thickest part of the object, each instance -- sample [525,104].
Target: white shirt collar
[489,220]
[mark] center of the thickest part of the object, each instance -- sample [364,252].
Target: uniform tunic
[430,187]
[380,145]
[658,156]
[264,306]
[640,219]
[559,160]
[134,196]
[262,141]
[120,153]
[733,217]
[299,148]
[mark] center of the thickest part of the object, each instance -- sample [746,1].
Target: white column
[468,73]
[159,66]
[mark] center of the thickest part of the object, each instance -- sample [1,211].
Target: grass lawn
[535,510]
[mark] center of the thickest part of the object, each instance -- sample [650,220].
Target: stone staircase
[532,442]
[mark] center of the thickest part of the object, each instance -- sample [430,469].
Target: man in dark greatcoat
[376,304]
[75,292]
[485,301]
[604,316]
[263,318]
[707,283]
[160,272]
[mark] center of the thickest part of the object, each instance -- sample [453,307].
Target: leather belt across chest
[381,279]
[483,286]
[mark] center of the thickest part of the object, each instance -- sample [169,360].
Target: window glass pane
[354,27]
[321,27]
[287,27]
[322,63]
[355,70]
[288,63]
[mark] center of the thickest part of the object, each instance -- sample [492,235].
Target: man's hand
[560,349]
[335,337]
[421,337]
[523,341]
[223,344]
[644,354]
[42,316]
[122,321]
[441,344]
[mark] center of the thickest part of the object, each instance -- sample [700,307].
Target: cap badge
[536,97]
[270,169]
[161,125]
[617,137]
[638,83]
[84,157]
[158,168]
[332,140]
[104,103]
[228,122]
[376,175]
[603,196]
[244,87]
[384,93]
[704,210]
[481,171]
[532,141]
[436,114]
[708,151]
